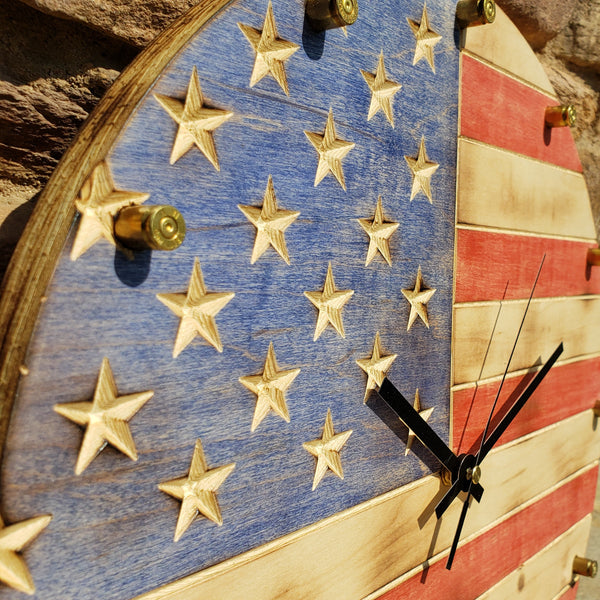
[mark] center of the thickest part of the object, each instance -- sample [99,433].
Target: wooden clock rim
[37,253]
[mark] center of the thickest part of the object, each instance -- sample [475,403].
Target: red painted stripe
[571,593]
[502,549]
[487,261]
[503,112]
[566,390]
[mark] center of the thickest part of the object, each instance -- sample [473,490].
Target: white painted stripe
[575,321]
[507,191]
[502,45]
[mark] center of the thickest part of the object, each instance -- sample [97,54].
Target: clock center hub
[469,471]
[474,474]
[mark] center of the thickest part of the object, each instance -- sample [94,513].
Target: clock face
[185,408]
[316,176]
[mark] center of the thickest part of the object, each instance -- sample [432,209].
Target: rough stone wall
[572,61]
[52,74]
[566,37]
[58,57]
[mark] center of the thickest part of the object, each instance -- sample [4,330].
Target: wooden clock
[358,203]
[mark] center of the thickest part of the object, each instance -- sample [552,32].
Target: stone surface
[579,42]
[52,74]
[572,61]
[134,21]
[589,589]
[539,20]
[56,71]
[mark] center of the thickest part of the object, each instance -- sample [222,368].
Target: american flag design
[297,138]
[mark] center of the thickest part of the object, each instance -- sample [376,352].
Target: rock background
[58,57]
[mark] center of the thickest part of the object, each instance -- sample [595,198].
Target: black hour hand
[413,420]
[429,438]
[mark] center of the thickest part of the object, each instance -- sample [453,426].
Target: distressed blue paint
[112,529]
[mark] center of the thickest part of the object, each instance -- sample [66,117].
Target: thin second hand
[485,432]
[487,351]
[487,425]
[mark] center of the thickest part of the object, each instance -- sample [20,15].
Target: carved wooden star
[13,569]
[271,51]
[270,222]
[379,232]
[99,202]
[196,122]
[375,367]
[382,91]
[327,451]
[426,39]
[418,300]
[425,414]
[270,388]
[197,309]
[422,170]
[105,418]
[331,151]
[330,303]
[197,491]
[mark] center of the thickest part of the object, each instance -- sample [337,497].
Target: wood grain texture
[567,389]
[549,570]
[503,112]
[506,191]
[525,533]
[359,551]
[103,306]
[35,256]
[111,308]
[502,45]
[572,320]
[492,265]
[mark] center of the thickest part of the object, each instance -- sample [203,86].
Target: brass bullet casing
[593,257]
[475,12]
[561,116]
[150,227]
[585,567]
[329,14]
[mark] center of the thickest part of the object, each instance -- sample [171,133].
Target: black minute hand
[497,433]
[491,440]
[518,405]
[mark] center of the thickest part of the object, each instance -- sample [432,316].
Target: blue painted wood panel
[112,529]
